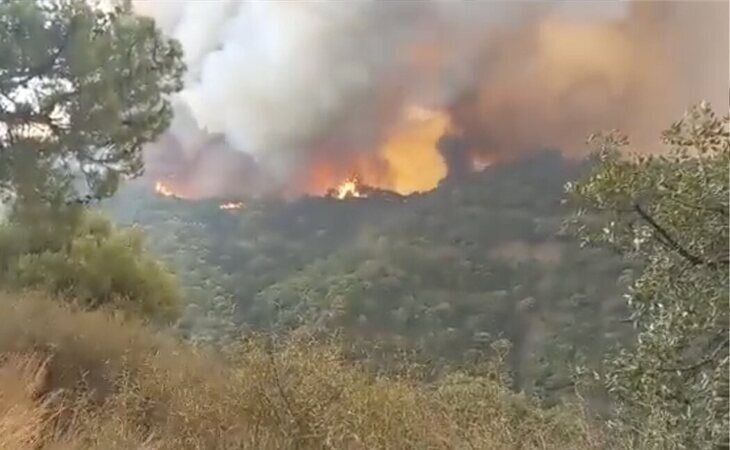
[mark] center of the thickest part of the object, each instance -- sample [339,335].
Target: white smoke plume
[291,82]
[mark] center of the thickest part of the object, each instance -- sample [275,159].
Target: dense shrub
[96,265]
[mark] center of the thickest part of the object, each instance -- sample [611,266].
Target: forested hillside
[405,270]
[442,273]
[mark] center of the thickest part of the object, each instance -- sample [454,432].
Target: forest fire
[227,206]
[350,188]
[405,161]
[439,71]
[164,190]
[411,151]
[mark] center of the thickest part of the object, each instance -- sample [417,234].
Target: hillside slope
[86,380]
[445,272]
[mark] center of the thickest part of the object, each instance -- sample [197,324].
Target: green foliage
[442,274]
[80,92]
[670,213]
[96,265]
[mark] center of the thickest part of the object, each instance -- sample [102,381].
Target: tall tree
[670,212]
[81,91]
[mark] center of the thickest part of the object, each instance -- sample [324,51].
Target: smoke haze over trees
[327,92]
[366,225]
[444,275]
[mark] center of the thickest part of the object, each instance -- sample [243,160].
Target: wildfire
[164,190]
[349,188]
[172,190]
[230,205]
[406,161]
[414,162]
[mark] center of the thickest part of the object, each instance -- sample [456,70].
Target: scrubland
[73,379]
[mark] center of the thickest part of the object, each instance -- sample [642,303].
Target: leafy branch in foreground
[669,212]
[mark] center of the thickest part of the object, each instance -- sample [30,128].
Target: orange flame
[166,189]
[349,188]
[230,205]
[406,161]
[414,162]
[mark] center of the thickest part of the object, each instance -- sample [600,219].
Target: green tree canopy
[81,90]
[670,212]
[98,265]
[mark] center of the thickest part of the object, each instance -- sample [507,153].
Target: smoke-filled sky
[298,95]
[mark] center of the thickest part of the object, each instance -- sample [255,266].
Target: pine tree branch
[20,80]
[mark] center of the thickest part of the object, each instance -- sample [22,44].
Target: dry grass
[87,380]
[23,417]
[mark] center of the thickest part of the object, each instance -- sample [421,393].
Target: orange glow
[166,189]
[324,177]
[571,53]
[407,161]
[428,56]
[349,188]
[413,160]
[230,205]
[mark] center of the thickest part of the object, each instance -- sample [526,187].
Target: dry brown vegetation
[89,380]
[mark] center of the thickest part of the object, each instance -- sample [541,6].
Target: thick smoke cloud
[553,83]
[286,81]
[292,84]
